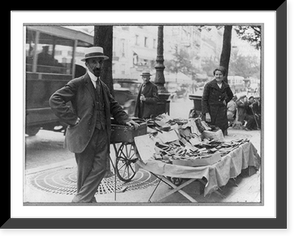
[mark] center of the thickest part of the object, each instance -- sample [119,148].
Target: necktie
[143,86]
[98,86]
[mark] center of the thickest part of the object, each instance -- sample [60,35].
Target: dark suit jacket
[81,93]
[146,108]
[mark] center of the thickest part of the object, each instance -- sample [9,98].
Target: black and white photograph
[144,114]
[145,119]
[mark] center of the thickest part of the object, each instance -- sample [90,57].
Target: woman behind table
[216,95]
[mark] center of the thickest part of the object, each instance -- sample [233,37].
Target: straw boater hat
[94,52]
[146,73]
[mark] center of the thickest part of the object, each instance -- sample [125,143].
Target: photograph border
[260,202]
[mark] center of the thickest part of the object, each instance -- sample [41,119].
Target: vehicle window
[51,54]
[30,46]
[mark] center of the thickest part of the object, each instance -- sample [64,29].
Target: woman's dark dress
[212,103]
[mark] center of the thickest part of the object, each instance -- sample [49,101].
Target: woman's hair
[221,69]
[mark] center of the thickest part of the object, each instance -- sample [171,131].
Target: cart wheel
[125,162]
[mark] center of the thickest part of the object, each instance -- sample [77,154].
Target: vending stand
[185,150]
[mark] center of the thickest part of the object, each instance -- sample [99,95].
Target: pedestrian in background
[257,111]
[89,120]
[232,109]
[241,106]
[147,98]
[252,118]
[216,95]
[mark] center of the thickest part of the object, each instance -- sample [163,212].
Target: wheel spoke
[132,152]
[126,170]
[122,154]
[131,168]
[126,157]
[124,173]
[124,164]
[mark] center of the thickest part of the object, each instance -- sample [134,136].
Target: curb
[70,162]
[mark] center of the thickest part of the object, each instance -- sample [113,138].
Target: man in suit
[147,97]
[89,120]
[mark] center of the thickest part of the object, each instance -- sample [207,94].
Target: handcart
[125,164]
[126,155]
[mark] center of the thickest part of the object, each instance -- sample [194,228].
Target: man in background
[147,98]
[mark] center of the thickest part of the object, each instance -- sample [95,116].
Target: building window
[145,42]
[123,68]
[79,54]
[46,53]
[59,52]
[135,58]
[154,44]
[136,40]
[123,47]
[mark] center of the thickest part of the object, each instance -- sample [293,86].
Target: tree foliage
[237,64]
[208,66]
[246,66]
[182,62]
[250,33]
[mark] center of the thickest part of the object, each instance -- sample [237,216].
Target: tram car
[53,56]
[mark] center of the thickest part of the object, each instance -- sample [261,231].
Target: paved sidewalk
[56,184]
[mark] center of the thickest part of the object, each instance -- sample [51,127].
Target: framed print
[237,188]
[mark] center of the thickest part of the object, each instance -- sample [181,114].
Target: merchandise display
[186,141]
[186,150]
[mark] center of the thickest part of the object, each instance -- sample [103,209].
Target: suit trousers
[91,167]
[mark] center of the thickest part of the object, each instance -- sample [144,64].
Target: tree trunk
[226,49]
[103,36]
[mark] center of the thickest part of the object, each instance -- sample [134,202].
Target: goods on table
[215,135]
[201,161]
[181,142]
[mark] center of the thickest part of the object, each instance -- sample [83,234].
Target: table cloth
[217,175]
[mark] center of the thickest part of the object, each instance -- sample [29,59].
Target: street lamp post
[163,105]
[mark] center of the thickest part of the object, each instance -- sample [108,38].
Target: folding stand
[177,188]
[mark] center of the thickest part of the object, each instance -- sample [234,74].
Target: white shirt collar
[93,77]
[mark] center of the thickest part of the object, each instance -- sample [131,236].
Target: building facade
[135,47]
